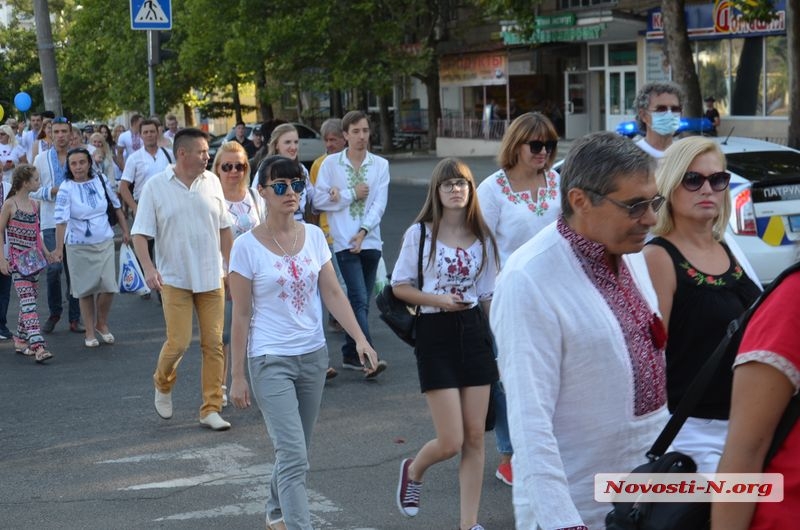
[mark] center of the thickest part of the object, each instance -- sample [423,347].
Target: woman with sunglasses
[703,282]
[278,271]
[455,357]
[517,201]
[82,227]
[247,210]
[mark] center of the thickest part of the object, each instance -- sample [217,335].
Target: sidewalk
[415,168]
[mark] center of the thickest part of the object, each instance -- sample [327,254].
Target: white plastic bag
[131,278]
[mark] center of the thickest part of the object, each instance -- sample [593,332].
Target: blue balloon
[22,101]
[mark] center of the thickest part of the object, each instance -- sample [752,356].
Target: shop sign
[474,69]
[542,36]
[719,20]
[555,21]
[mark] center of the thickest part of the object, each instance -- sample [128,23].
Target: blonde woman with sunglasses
[702,282]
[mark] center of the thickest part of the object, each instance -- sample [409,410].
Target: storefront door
[620,96]
[576,101]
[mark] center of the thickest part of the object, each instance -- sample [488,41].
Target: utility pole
[47,56]
[152,60]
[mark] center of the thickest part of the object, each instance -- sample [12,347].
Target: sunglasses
[61,119]
[536,146]
[637,209]
[676,109]
[280,187]
[693,180]
[227,166]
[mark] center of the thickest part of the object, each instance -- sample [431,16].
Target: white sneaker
[163,404]
[215,422]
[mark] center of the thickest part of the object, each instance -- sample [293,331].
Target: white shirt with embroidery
[287,309]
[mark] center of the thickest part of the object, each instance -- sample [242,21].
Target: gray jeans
[288,390]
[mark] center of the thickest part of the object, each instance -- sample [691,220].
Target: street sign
[151,14]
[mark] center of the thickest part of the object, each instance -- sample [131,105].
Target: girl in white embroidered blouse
[455,359]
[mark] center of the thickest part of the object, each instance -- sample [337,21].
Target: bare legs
[95,312]
[459,417]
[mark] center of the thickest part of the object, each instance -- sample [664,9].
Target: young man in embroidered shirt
[183,209]
[581,352]
[353,187]
[52,166]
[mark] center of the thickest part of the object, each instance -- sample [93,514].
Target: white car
[765,202]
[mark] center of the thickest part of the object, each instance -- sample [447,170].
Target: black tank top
[702,308]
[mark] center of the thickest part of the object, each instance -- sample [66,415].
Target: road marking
[224,465]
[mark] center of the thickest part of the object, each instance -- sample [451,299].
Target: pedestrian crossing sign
[151,14]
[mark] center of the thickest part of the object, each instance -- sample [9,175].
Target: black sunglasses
[61,119]
[280,187]
[536,146]
[227,166]
[676,109]
[693,180]
[637,209]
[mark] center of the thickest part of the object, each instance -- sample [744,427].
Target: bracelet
[365,229]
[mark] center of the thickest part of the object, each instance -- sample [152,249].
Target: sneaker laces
[413,490]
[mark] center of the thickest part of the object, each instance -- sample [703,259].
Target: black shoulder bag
[111,212]
[399,316]
[693,515]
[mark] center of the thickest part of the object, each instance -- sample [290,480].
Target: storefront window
[712,70]
[777,76]
[597,56]
[623,54]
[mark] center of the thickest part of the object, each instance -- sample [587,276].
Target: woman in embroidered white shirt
[82,227]
[517,201]
[455,359]
[278,271]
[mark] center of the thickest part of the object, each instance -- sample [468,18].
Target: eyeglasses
[635,210]
[227,166]
[61,119]
[280,187]
[450,185]
[676,109]
[693,180]
[536,146]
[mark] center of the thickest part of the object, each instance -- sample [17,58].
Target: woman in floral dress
[455,359]
[702,282]
[517,201]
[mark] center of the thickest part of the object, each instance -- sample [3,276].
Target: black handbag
[399,316]
[693,515]
[111,212]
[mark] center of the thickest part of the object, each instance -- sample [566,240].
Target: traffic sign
[151,14]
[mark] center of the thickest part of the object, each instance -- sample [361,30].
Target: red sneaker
[504,474]
[408,491]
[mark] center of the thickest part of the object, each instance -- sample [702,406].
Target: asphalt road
[81,446]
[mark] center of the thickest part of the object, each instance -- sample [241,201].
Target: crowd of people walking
[574,307]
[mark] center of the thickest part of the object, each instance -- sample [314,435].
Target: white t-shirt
[246,214]
[453,271]
[7,152]
[287,309]
[649,149]
[130,144]
[141,165]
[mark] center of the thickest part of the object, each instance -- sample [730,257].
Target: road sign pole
[151,71]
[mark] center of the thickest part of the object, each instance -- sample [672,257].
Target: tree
[793,65]
[19,66]
[679,55]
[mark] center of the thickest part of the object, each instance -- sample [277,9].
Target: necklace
[294,244]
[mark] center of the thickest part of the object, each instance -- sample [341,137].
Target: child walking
[19,220]
[455,360]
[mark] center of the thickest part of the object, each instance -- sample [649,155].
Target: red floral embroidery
[538,206]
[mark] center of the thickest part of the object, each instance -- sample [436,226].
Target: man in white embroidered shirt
[581,348]
[353,187]
[184,209]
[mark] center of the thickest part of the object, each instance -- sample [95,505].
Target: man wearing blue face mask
[658,108]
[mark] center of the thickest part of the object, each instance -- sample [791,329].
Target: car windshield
[765,166]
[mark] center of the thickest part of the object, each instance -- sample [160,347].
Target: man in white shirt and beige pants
[184,209]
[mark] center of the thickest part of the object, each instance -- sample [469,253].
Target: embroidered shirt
[635,319]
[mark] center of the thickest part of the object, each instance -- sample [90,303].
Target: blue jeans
[501,435]
[54,300]
[358,271]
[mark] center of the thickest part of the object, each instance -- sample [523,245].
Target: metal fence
[453,127]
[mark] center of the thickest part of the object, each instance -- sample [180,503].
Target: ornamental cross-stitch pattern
[353,179]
